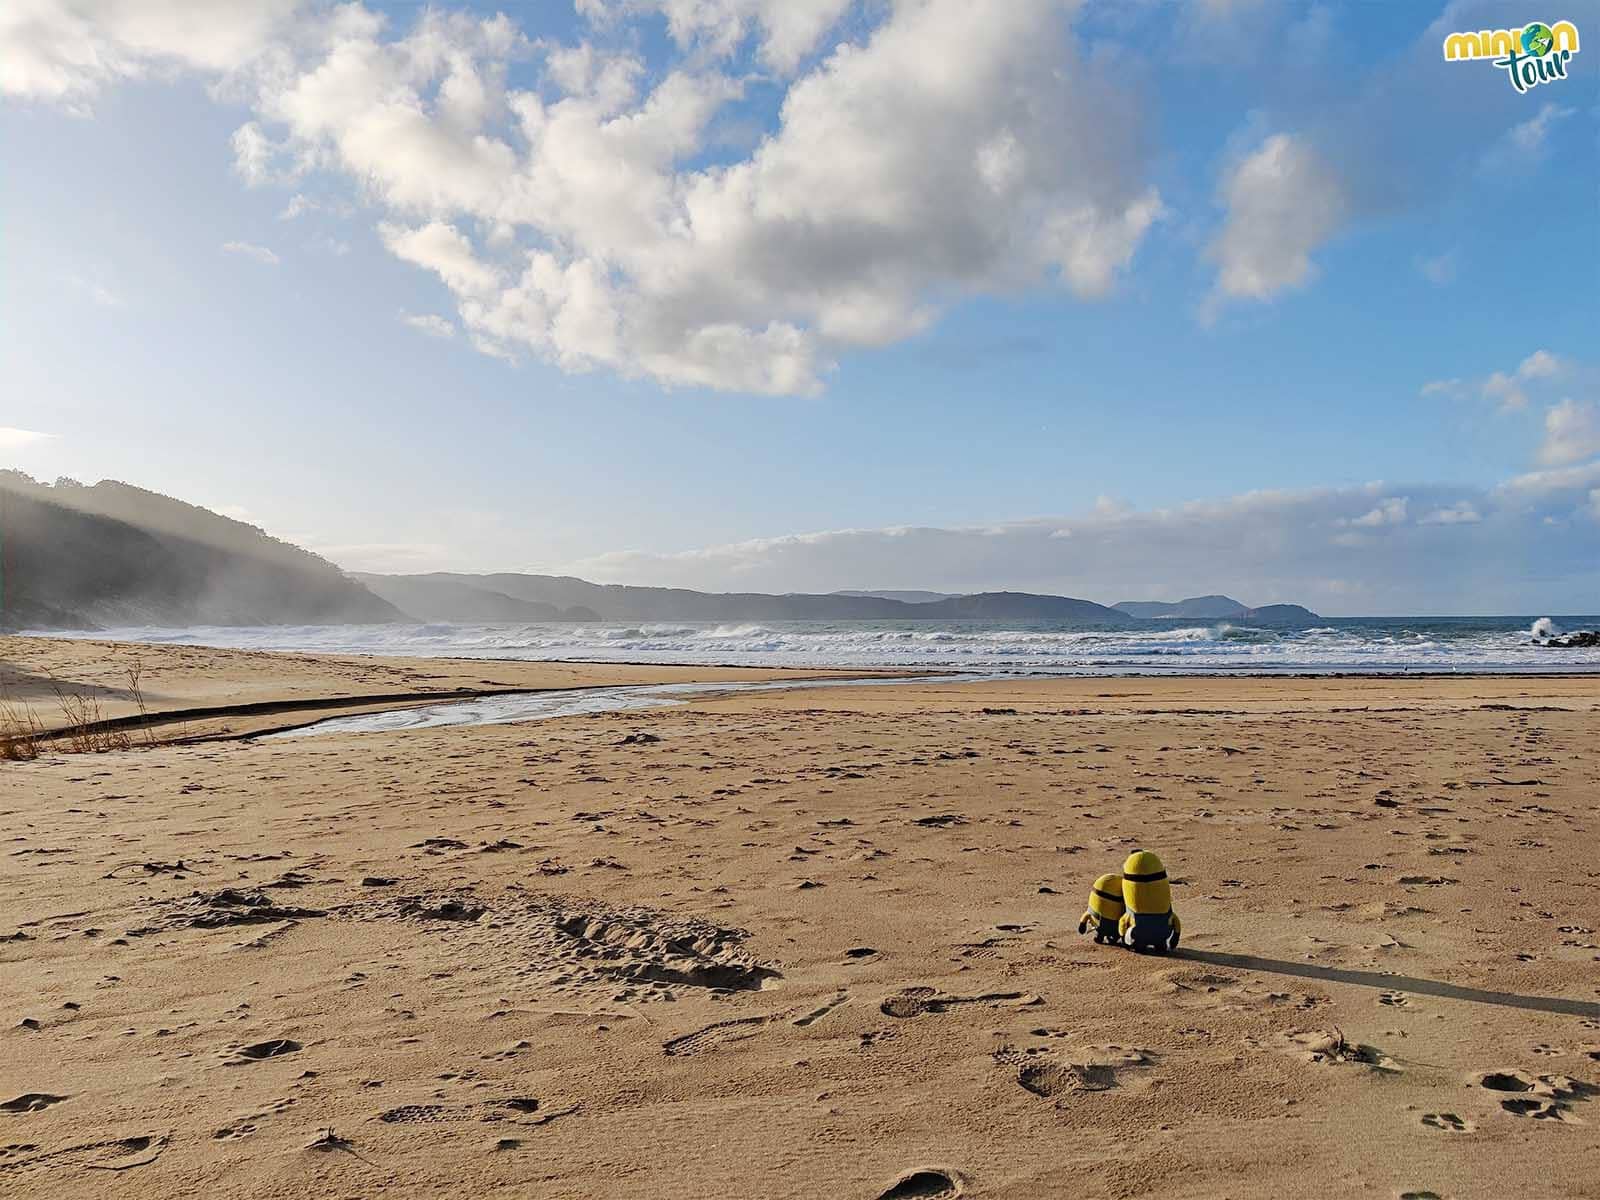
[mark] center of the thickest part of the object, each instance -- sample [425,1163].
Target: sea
[1336,645]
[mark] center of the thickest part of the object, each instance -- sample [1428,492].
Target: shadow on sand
[1398,983]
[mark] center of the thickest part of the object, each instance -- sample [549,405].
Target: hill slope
[1216,608]
[76,556]
[616,602]
[1199,607]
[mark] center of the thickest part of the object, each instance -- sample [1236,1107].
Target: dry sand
[810,941]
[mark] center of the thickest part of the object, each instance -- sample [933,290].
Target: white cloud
[1571,433]
[1390,511]
[574,219]
[1299,546]
[20,439]
[446,251]
[788,29]
[1541,364]
[430,323]
[1283,201]
[1463,512]
[1540,486]
[1508,389]
[250,250]
[67,50]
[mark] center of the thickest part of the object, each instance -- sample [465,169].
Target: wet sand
[812,942]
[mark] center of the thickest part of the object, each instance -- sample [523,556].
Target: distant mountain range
[1216,608]
[904,597]
[456,597]
[450,597]
[74,556]
[77,557]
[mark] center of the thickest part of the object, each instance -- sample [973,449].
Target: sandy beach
[804,943]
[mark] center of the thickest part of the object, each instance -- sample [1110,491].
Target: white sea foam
[1428,644]
[1544,627]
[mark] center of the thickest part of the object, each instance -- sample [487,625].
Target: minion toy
[1149,922]
[1105,910]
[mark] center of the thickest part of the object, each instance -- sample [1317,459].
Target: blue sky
[1133,298]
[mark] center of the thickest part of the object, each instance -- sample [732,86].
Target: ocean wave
[1442,644]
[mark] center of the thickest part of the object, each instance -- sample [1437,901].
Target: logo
[1535,54]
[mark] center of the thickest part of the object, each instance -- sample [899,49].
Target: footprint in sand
[914,1001]
[1100,1069]
[925,1183]
[1448,1122]
[712,1036]
[1543,1097]
[421,1114]
[31,1102]
[1049,1079]
[1395,999]
[524,1110]
[114,1154]
[1528,1106]
[274,1048]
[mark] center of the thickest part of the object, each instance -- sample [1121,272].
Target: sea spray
[1373,644]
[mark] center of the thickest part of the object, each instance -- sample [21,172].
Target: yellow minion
[1105,908]
[1149,922]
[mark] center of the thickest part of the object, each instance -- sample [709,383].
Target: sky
[1122,299]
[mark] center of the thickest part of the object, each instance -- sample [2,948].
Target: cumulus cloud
[1282,201]
[250,250]
[1537,487]
[67,50]
[12,438]
[1571,433]
[1493,551]
[1390,511]
[589,216]
[430,323]
[1508,389]
[786,30]
[888,185]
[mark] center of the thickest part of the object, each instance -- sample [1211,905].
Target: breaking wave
[1352,644]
